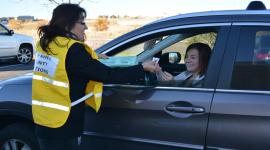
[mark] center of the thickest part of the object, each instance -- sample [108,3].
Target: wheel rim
[24,55]
[14,144]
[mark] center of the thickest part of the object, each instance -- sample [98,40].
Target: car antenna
[256,5]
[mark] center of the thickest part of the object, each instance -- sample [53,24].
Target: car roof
[220,14]
[223,16]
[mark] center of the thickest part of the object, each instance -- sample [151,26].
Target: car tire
[25,54]
[18,137]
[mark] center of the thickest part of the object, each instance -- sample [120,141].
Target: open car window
[170,49]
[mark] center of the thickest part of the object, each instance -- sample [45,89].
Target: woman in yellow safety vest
[67,73]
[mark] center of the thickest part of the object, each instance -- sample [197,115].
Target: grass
[116,27]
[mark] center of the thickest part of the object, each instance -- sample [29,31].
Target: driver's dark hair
[204,55]
[63,20]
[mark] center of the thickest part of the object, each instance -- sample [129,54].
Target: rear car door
[240,113]
[153,116]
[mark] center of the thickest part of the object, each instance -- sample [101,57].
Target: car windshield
[3,30]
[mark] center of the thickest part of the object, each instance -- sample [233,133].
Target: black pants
[60,144]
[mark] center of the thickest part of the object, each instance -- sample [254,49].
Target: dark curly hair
[63,20]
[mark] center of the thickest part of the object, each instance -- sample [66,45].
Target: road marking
[11,66]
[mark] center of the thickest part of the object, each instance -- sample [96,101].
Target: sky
[42,9]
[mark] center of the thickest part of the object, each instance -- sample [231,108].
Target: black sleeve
[79,63]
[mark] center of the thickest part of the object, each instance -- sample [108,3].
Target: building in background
[4,20]
[26,18]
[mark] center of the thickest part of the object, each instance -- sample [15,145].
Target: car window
[139,48]
[3,31]
[262,47]
[132,51]
[208,38]
[170,49]
[252,66]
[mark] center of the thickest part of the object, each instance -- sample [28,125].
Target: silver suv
[14,45]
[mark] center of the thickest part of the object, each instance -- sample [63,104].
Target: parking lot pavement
[12,69]
[7,62]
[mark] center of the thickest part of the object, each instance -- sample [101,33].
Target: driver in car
[196,61]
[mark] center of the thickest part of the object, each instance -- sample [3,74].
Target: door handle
[185,109]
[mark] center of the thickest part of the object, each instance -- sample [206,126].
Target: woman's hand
[165,76]
[151,66]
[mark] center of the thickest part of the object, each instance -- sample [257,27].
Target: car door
[152,116]
[240,113]
[7,43]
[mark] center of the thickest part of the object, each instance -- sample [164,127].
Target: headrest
[174,56]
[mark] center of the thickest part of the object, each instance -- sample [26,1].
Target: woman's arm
[80,63]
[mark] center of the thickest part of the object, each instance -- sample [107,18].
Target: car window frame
[223,29]
[231,52]
[246,49]
[156,33]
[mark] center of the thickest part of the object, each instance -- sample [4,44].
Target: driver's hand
[151,66]
[165,76]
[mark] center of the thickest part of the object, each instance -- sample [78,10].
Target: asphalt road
[9,69]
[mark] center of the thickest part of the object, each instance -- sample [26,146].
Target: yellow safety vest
[51,102]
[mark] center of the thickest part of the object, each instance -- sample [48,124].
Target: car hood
[23,38]
[24,79]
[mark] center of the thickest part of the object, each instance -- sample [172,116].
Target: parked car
[230,111]
[14,45]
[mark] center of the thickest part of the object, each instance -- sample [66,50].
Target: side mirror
[11,32]
[170,58]
[173,58]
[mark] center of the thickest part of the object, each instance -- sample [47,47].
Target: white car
[16,46]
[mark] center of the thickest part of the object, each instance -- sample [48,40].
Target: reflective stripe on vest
[50,81]
[61,107]
[81,99]
[98,95]
[50,105]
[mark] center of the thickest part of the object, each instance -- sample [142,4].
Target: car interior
[169,49]
[263,50]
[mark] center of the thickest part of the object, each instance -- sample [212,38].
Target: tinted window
[252,65]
